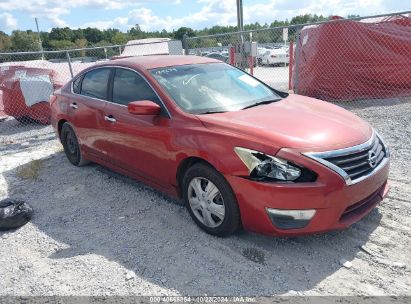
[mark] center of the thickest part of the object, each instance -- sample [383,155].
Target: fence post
[185,46]
[119,50]
[297,59]
[290,64]
[69,63]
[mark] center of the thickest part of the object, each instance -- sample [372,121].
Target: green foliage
[65,33]
[61,44]
[179,34]
[93,35]
[136,33]
[67,38]
[119,38]
[109,34]
[25,41]
[5,42]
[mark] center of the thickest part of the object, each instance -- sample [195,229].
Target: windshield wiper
[212,112]
[260,103]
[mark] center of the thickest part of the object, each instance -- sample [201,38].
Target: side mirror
[143,107]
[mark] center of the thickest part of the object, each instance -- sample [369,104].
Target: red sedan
[238,152]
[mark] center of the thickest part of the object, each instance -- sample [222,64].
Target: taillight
[53,98]
[273,56]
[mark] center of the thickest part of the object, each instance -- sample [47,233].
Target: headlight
[266,166]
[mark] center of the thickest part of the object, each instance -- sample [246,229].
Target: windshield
[215,87]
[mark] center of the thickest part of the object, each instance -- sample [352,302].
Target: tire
[201,174]
[71,146]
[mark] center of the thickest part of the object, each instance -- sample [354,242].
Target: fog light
[290,219]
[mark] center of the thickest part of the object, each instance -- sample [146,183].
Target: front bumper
[337,205]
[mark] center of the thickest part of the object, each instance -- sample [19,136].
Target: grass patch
[30,170]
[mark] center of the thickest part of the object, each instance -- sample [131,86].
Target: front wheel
[210,200]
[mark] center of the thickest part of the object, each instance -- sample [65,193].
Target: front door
[139,143]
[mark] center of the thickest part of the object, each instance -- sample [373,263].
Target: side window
[95,83]
[77,85]
[129,86]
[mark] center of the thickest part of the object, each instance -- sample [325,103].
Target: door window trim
[110,86]
[82,75]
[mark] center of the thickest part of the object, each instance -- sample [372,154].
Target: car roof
[160,61]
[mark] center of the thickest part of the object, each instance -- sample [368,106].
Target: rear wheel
[210,200]
[71,146]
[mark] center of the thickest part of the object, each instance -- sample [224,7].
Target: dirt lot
[98,233]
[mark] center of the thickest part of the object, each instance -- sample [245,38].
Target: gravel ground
[98,233]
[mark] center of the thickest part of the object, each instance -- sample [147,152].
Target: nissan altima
[236,151]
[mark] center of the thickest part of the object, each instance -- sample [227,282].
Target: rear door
[139,143]
[90,98]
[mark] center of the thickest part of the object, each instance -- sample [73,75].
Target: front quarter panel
[217,148]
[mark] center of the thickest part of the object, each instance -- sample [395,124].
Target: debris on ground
[14,213]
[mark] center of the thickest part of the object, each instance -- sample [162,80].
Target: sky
[172,14]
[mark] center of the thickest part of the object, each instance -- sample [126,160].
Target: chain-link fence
[338,60]
[27,79]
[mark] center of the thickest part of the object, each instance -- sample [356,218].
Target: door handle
[73,105]
[110,118]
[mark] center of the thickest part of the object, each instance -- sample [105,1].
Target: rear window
[95,83]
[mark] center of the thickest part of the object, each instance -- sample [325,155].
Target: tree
[80,44]
[119,38]
[5,41]
[108,34]
[61,44]
[25,41]
[179,34]
[93,35]
[44,36]
[78,34]
[65,33]
[63,38]
[136,33]
[307,18]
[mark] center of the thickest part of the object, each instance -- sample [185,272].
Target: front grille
[355,163]
[359,164]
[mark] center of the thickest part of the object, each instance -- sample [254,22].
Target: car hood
[294,122]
